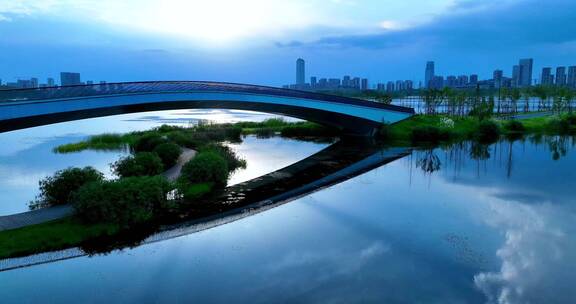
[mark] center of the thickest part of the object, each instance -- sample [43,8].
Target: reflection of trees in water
[479,151]
[559,145]
[428,161]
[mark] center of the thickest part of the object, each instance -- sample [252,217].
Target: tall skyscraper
[546,78]
[300,72]
[571,77]
[497,76]
[50,82]
[67,78]
[561,76]
[429,74]
[516,76]
[390,86]
[525,79]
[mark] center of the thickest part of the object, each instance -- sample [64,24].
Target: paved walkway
[174,172]
[44,215]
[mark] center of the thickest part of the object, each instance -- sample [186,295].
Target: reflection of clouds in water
[537,257]
[329,263]
[17,177]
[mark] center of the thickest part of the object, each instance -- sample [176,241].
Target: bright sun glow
[218,21]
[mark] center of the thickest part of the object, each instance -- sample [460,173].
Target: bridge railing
[124,88]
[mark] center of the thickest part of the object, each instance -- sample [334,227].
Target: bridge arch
[23,108]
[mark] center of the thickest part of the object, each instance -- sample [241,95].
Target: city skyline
[521,75]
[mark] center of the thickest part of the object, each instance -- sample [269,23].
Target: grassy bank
[60,234]
[442,128]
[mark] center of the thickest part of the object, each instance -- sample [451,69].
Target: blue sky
[257,41]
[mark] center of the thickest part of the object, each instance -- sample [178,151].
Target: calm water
[462,224]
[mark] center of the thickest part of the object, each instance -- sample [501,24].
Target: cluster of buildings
[66,79]
[347,82]
[521,77]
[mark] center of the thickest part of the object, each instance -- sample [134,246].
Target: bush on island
[139,164]
[59,188]
[168,153]
[206,167]
[127,201]
[232,159]
[148,142]
[488,131]
[514,126]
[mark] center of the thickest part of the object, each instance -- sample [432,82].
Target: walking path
[44,215]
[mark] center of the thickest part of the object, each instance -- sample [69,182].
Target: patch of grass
[104,142]
[55,235]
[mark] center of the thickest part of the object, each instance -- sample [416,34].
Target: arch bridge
[23,108]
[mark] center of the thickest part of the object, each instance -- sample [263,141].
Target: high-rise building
[346,82]
[429,74]
[571,77]
[300,72]
[390,86]
[462,80]
[516,76]
[408,85]
[67,78]
[364,84]
[451,81]
[313,82]
[561,76]
[473,79]
[437,82]
[546,79]
[50,82]
[355,83]
[34,82]
[399,85]
[497,76]
[525,76]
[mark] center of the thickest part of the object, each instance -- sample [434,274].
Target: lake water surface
[468,223]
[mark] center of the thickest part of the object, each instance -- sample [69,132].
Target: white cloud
[539,246]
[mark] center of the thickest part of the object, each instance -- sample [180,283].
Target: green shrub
[59,188]
[191,192]
[127,201]
[206,167]
[385,132]
[561,126]
[488,130]
[232,159]
[148,142]
[168,153]
[429,134]
[571,119]
[139,164]
[514,126]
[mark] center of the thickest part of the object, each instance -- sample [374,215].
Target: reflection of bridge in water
[24,108]
[333,165]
